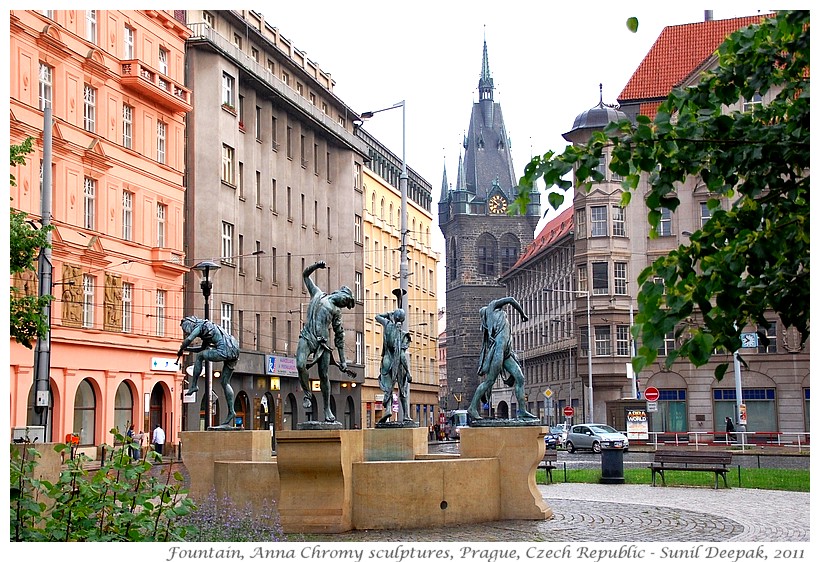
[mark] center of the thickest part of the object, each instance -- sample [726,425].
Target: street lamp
[587,294]
[402,189]
[204,268]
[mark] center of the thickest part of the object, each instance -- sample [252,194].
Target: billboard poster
[637,425]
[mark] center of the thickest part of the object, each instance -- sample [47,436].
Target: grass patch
[785,479]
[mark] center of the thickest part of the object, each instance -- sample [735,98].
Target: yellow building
[382,261]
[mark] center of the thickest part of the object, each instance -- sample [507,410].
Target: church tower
[481,239]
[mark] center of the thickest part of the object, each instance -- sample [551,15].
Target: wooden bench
[548,463]
[692,461]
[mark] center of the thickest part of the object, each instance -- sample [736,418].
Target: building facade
[612,246]
[114,82]
[481,239]
[382,255]
[274,184]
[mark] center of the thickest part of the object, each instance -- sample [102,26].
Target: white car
[595,436]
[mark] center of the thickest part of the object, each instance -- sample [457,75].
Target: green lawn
[793,480]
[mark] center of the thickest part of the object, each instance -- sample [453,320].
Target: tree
[749,259]
[27,321]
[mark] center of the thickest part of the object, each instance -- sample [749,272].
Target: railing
[742,439]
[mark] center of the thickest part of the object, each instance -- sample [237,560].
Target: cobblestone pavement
[633,513]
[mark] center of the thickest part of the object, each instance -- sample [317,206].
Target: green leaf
[632,24]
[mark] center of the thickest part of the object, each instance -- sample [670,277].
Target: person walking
[730,429]
[158,439]
[136,439]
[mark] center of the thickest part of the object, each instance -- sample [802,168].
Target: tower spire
[485,82]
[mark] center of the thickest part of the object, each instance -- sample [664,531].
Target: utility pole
[42,352]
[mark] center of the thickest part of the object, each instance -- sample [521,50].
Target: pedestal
[394,444]
[518,450]
[316,479]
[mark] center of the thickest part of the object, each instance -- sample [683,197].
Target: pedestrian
[730,429]
[158,439]
[136,442]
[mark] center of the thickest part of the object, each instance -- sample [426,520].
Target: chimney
[707,15]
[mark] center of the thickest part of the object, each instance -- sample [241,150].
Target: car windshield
[603,429]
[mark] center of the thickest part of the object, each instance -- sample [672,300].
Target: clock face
[498,204]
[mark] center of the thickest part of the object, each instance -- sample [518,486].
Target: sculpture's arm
[311,286]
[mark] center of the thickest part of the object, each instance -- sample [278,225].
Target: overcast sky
[546,59]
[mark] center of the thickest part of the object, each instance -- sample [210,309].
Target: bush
[120,502]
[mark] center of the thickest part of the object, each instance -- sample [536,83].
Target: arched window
[373,203]
[452,259]
[486,254]
[510,248]
[381,209]
[85,410]
[124,412]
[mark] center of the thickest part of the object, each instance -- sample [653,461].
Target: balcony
[150,84]
[167,263]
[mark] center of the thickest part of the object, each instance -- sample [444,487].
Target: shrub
[220,520]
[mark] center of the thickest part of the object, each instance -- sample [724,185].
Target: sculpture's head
[189,323]
[399,315]
[343,297]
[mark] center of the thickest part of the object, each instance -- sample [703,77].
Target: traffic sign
[548,393]
[651,393]
[569,411]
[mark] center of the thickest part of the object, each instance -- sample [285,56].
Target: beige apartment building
[382,254]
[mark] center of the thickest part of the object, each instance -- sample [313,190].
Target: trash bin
[612,466]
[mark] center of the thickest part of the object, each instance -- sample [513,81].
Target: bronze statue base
[513,422]
[397,424]
[319,425]
[224,428]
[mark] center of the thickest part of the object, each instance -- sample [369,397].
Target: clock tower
[481,239]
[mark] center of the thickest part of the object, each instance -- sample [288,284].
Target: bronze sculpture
[324,311]
[395,370]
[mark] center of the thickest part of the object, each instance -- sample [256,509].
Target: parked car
[551,440]
[560,434]
[595,436]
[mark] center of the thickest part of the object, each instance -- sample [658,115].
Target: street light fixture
[402,189]
[204,268]
[587,294]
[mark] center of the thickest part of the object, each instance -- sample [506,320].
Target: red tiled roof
[678,50]
[551,232]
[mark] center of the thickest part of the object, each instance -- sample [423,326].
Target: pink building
[115,83]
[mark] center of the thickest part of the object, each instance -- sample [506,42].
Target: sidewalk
[632,513]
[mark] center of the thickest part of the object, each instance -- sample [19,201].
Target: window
[357,229]
[127,214]
[208,18]
[290,272]
[273,194]
[226,319]
[128,43]
[599,221]
[509,252]
[668,344]
[752,104]
[274,137]
[227,242]
[286,78]
[581,223]
[583,341]
[357,286]
[89,202]
[603,340]
[289,143]
[127,306]
[44,90]
[257,125]
[89,108]
[88,301]
[237,41]
[771,335]
[274,278]
[258,189]
[619,277]
[255,53]
[241,252]
[258,256]
[290,203]
[316,159]
[241,179]
[228,90]
[302,151]
[357,176]
[85,408]
[91,25]
[163,61]
[127,126]
[160,313]
[705,214]
[600,278]
[228,172]
[618,221]
[665,224]
[162,130]
[359,348]
[583,279]
[622,340]
[486,255]
[601,167]
[162,212]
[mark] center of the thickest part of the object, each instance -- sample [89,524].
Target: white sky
[546,60]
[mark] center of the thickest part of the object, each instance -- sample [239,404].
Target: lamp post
[403,266]
[587,294]
[204,268]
